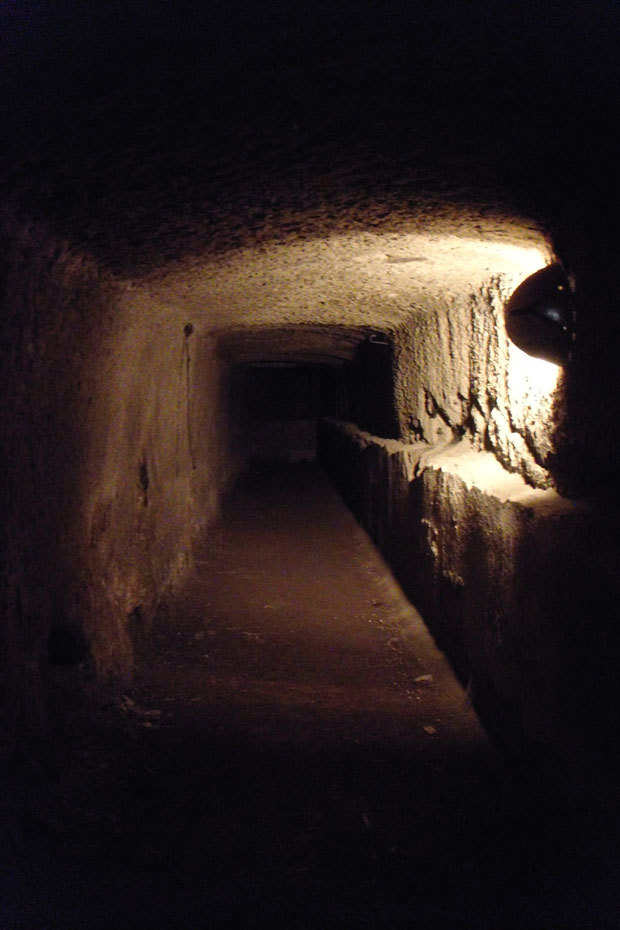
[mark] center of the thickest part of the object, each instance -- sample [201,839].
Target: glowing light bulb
[530,376]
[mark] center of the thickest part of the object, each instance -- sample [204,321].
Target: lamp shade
[540,315]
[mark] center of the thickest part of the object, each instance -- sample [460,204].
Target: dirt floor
[294,752]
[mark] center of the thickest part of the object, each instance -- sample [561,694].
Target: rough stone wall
[113,455]
[515,583]
[158,464]
[456,374]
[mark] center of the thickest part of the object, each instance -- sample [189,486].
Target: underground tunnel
[239,249]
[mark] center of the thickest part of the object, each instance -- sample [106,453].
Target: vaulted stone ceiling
[280,163]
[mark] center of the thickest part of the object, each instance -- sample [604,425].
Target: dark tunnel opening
[370,377]
[285,400]
[284,403]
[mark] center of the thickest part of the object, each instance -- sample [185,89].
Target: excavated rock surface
[144,132]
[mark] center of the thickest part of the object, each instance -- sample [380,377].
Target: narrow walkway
[295,753]
[293,631]
[339,776]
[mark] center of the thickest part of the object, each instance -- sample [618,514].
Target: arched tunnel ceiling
[361,280]
[334,164]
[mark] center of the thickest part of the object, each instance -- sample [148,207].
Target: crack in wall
[185,394]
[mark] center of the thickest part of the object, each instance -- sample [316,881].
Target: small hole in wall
[135,616]
[417,430]
[143,481]
[66,645]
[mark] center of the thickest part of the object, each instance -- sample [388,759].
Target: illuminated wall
[514,579]
[515,583]
[457,375]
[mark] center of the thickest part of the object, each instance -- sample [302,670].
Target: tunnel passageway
[294,752]
[292,630]
[224,223]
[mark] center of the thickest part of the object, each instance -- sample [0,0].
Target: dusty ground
[294,752]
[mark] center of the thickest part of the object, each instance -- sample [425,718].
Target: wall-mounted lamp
[540,315]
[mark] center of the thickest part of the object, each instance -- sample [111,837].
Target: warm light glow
[530,377]
[370,278]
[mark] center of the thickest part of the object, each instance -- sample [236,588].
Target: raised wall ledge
[476,469]
[518,585]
